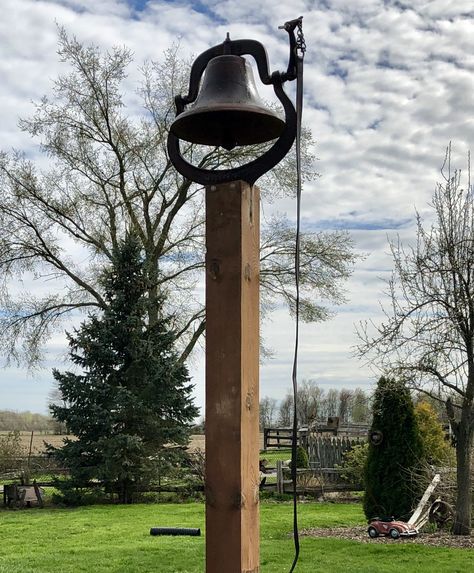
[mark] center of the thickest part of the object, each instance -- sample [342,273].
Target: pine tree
[133,396]
[391,487]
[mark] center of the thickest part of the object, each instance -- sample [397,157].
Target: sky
[388,84]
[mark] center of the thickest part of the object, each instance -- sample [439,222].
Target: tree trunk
[124,491]
[153,291]
[462,520]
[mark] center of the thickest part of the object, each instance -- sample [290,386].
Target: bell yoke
[228,112]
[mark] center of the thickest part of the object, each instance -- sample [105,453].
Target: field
[196,442]
[115,539]
[39,439]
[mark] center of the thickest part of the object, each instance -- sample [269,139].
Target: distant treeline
[314,403]
[25,421]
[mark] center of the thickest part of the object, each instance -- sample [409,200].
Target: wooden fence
[36,464]
[328,452]
[316,482]
[277,438]
[282,437]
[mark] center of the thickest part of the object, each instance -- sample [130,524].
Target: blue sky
[387,85]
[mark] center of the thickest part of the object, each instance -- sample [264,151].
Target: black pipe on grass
[175,531]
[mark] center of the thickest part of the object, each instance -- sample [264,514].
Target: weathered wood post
[279,472]
[232,375]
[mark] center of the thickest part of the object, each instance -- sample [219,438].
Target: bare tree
[428,332]
[108,171]
[285,411]
[267,412]
[309,400]
[360,406]
[55,398]
[344,410]
[330,404]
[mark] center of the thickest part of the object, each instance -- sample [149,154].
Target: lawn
[273,455]
[100,539]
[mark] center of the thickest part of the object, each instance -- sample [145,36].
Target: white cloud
[387,86]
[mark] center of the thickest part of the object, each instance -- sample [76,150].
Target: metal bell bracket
[251,171]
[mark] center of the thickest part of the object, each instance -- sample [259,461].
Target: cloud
[352,222]
[387,85]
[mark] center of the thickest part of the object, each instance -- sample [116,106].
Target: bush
[436,450]
[392,486]
[11,453]
[354,462]
[70,495]
[302,459]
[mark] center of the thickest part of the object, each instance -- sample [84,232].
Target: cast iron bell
[228,110]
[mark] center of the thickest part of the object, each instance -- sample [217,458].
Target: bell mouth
[228,111]
[227,126]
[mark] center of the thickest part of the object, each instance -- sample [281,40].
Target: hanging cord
[299,52]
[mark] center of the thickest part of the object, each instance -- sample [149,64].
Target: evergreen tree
[391,487]
[133,395]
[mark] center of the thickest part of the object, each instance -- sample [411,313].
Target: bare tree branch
[427,335]
[108,172]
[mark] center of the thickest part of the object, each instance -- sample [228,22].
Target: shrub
[436,450]
[302,460]
[391,476]
[354,462]
[11,452]
[70,495]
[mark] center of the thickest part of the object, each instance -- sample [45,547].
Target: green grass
[273,455]
[116,539]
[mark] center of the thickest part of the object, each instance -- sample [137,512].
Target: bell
[228,110]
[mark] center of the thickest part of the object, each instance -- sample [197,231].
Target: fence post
[280,484]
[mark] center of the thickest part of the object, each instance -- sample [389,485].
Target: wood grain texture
[232,378]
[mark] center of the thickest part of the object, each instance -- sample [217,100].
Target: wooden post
[232,374]
[423,502]
[279,472]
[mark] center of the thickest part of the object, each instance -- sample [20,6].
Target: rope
[300,50]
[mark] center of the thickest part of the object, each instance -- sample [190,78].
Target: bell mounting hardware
[228,112]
